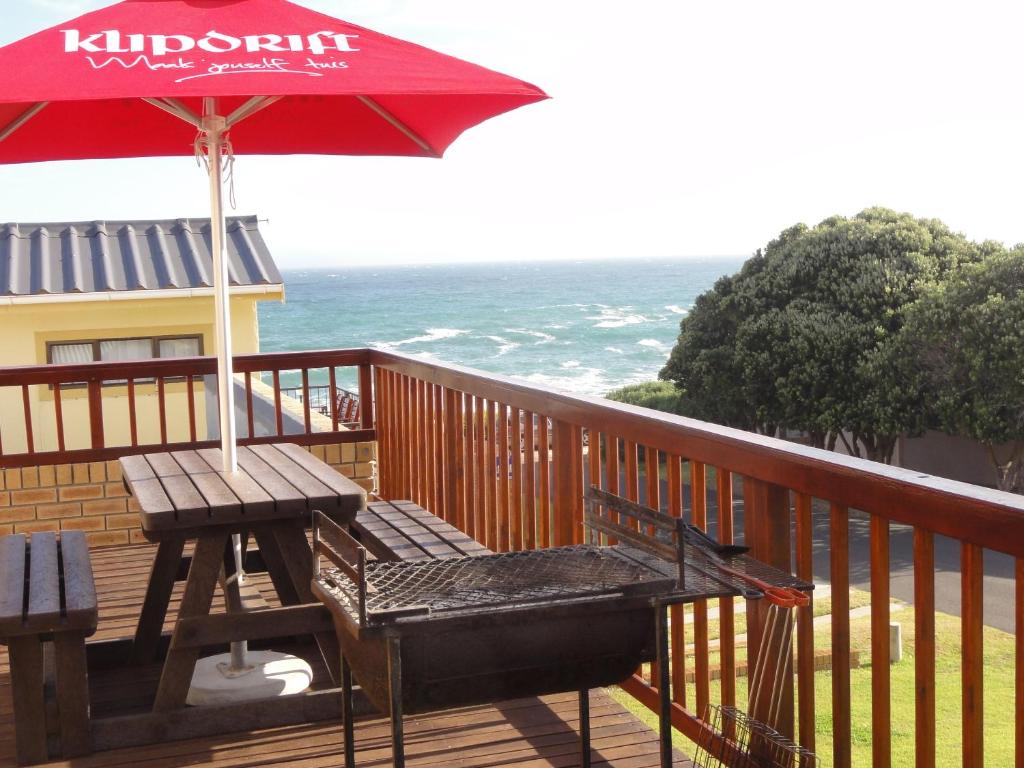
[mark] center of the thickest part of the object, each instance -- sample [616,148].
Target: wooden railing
[507,463]
[114,409]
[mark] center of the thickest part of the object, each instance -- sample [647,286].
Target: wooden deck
[526,732]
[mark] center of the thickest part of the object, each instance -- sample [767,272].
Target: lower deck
[526,732]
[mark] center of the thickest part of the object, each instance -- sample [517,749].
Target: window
[123,350]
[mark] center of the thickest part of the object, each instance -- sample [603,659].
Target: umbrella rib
[23,118]
[250,108]
[176,108]
[394,121]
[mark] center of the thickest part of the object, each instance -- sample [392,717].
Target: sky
[675,129]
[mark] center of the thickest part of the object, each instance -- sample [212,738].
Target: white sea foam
[652,343]
[617,317]
[582,381]
[616,350]
[432,334]
[675,309]
[571,364]
[504,345]
[543,338]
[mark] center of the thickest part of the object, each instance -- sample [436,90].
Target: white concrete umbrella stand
[240,675]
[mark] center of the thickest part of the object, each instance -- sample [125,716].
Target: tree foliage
[964,343]
[803,336]
[657,395]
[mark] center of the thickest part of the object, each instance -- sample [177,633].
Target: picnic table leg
[158,595]
[276,567]
[72,694]
[298,559]
[26,657]
[180,662]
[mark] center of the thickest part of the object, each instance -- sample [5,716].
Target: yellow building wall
[25,330]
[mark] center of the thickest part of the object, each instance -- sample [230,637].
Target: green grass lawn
[998,692]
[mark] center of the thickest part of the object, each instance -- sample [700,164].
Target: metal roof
[102,256]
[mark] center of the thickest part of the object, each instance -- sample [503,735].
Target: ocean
[582,327]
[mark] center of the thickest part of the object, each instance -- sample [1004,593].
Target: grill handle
[657,533]
[332,541]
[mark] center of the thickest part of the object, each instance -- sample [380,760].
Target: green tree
[798,339]
[964,340]
[658,395]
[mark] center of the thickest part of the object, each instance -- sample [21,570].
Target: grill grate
[502,580]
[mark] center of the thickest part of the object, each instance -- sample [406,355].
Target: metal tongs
[715,552]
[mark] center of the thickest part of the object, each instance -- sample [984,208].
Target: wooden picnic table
[186,495]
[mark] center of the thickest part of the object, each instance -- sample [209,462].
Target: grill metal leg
[584,728]
[346,714]
[664,692]
[395,700]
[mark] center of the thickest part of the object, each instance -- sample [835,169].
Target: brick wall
[91,497]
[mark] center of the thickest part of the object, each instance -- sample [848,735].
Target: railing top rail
[984,516]
[177,366]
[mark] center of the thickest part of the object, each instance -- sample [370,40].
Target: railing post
[96,413]
[366,397]
[766,520]
[568,491]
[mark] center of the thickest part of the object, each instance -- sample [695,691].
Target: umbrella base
[268,674]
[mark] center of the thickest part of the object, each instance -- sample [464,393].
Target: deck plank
[526,733]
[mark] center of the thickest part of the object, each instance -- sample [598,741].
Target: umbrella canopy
[145,78]
[76,90]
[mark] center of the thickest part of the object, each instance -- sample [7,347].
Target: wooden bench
[47,593]
[402,530]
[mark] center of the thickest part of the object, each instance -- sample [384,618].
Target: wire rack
[747,743]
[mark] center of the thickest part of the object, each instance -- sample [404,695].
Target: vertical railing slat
[972,663]
[677,627]
[478,468]
[161,396]
[699,517]
[332,395]
[191,397]
[529,491]
[515,511]
[726,606]
[924,648]
[133,425]
[505,456]
[27,410]
[491,486]
[367,406]
[306,417]
[250,417]
[565,460]
[58,415]
[1018,618]
[278,413]
[840,573]
[452,455]
[96,413]
[805,622]
[544,470]
[881,735]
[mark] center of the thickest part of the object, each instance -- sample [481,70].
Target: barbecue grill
[427,635]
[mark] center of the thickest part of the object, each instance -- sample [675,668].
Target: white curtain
[120,350]
[71,353]
[179,347]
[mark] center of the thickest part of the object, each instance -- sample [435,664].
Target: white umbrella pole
[213,127]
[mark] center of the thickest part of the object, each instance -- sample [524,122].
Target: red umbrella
[146,78]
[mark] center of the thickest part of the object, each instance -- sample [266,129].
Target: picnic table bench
[403,530]
[47,593]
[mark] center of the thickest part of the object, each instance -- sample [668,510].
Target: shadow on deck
[526,732]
